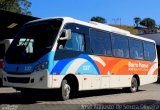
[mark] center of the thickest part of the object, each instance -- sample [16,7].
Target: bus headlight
[41,66]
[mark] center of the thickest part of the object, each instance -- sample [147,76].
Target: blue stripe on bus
[91,70]
[90,60]
[60,66]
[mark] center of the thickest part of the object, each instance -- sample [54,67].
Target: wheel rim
[66,91]
[134,85]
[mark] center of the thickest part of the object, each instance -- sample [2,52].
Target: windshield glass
[33,41]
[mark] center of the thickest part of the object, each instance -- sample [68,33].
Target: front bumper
[36,80]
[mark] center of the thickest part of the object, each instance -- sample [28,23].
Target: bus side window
[149,51]
[68,45]
[100,42]
[120,46]
[136,49]
[118,52]
[76,43]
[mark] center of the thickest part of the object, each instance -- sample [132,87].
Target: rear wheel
[134,86]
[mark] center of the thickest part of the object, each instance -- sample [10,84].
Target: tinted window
[149,51]
[100,43]
[33,41]
[136,49]
[78,28]
[28,43]
[75,43]
[120,46]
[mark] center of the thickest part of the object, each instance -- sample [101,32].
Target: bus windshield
[33,41]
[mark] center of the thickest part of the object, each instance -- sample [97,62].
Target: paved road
[148,97]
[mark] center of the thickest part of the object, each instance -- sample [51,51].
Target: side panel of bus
[101,59]
[97,72]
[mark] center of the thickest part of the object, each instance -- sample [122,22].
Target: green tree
[99,19]
[137,20]
[148,22]
[17,6]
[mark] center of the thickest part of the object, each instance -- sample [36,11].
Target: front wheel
[65,90]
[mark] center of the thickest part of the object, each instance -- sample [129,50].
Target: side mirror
[66,34]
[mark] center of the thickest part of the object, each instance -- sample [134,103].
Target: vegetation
[17,6]
[99,19]
[128,28]
[148,22]
[137,20]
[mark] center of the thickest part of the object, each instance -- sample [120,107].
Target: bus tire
[66,90]
[134,86]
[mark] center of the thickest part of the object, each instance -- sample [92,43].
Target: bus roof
[96,25]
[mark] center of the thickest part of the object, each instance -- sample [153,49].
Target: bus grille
[18,73]
[18,80]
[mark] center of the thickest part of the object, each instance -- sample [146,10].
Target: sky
[114,11]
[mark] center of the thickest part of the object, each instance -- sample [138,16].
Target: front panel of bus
[30,59]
